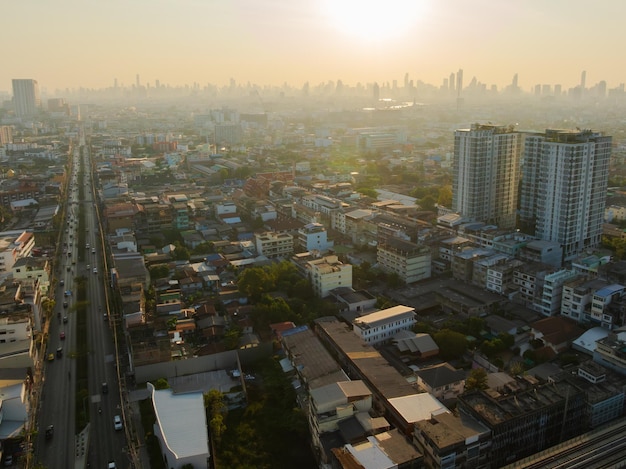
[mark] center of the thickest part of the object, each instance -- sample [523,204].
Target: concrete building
[13,246]
[314,237]
[273,245]
[600,313]
[529,419]
[33,267]
[333,403]
[486,173]
[381,326]
[328,273]
[450,441]
[181,427]
[26,97]
[564,187]
[410,261]
[611,351]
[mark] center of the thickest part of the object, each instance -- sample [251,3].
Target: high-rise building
[564,185]
[459,82]
[486,173]
[26,99]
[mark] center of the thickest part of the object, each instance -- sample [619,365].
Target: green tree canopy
[477,379]
[451,344]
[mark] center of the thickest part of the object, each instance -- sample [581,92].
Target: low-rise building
[274,245]
[181,427]
[328,273]
[381,326]
[410,261]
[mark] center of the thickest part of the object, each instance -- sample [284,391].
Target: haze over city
[70,43]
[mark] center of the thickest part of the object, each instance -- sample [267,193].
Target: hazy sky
[71,43]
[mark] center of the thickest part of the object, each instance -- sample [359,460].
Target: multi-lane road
[100,442]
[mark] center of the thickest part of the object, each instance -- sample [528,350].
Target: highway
[100,443]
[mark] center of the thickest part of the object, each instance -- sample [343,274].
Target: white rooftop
[418,407]
[182,420]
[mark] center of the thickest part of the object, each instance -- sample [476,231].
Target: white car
[117,422]
[95,270]
[111,465]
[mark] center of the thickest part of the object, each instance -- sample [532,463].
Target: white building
[181,427]
[600,302]
[412,262]
[382,325]
[273,245]
[33,267]
[564,187]
[225,208]
[14,245]
[486,173]
[328,273]
[314,237]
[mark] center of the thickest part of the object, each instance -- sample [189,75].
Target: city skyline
[70,44]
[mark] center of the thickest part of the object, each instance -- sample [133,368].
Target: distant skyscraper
[514,82]
[138,81]
[564,185]
[26,99]
[459,82]
[583,80]
[486,172]
[451,81]
[376,93]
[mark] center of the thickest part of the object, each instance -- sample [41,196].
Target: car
[93,250]
[65,304]
[64,319]
[8,460]
[68,293]
[117,422]
[106,317]
[105,388]
[111,465]
[61,282]
[95,270]
[87,246]
[49,432]
[59,352]
[51,357]
[62,335]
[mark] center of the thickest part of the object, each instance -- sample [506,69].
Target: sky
[89,43]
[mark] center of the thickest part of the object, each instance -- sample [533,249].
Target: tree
[477,379]
[445,196]
[214,403]
[253,282]
[428,203]
[161,383]
[159,271]
[451,344]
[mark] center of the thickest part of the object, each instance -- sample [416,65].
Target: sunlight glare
[373,20]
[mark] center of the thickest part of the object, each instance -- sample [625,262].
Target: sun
[373,20]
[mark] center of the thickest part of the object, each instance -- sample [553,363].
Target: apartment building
[314,237]
[410,261]
[274,245]
[486,174]
[564,187]
[13,246]
[381,326]
[328,273]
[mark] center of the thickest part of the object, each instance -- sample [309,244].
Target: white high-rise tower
[564,185]
[486,173]
[26,99]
